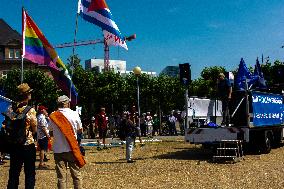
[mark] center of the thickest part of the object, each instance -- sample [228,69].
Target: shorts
[102,132]
[43,143]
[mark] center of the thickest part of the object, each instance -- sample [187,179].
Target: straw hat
[24,88]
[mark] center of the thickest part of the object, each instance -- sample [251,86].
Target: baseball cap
[41,107]
[63,99]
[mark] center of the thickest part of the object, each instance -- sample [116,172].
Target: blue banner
[4,104]
[267,109]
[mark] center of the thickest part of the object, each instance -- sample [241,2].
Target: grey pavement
[117,141]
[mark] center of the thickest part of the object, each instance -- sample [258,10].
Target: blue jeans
[23,154]
[129,147]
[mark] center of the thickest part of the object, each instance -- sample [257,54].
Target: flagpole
[22,70]
[73,54]
[23,42]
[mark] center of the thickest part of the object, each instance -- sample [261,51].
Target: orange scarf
[67,130]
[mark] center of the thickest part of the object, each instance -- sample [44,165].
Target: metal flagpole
[216,103]
[73,54]
[23,42]
[138,99]
[22,70]
[186,109]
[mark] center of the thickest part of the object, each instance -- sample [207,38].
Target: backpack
[121,131]
[126,128]
[14,132]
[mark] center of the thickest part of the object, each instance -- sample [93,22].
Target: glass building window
[14,53]
[11,53]
[17,53]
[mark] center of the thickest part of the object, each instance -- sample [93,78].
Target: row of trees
[117,93]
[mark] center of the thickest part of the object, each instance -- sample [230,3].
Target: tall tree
[44,88]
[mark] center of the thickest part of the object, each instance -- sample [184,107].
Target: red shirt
[101,120]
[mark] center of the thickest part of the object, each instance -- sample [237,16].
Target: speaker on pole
[185,74]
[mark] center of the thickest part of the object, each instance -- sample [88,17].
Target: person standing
[42,135]
[149,123]
[156,125]
[143,125]
[225,94]
[26,153]
[129,130]
[65,123]
[92,129]
[101,124]
[134,117]
[172,124]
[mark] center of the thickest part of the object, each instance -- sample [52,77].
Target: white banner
[198,107]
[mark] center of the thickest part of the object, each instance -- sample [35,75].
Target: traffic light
[185,73]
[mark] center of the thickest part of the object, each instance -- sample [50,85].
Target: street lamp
[137,72]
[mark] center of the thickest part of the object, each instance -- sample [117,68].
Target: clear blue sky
[201,32]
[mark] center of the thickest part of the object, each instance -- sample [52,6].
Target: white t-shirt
[60,143]
[41,124]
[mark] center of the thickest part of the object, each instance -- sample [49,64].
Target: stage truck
[256,122]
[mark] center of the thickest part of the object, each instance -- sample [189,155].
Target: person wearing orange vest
[65,124]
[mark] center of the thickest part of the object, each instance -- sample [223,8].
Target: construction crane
[79,43]
[92,42]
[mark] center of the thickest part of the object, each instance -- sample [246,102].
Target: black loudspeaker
[185,73]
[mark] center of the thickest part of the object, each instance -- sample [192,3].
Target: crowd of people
[26,129]
[148,125]
[66,130]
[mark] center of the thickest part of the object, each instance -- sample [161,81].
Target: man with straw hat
[24,153]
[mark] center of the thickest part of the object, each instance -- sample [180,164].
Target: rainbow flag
[37,49]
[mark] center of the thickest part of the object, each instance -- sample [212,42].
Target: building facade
[98,64]
[11,51]
[172,71]
[118,66]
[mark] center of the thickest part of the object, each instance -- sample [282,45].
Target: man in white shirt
[63,147]
[172,124]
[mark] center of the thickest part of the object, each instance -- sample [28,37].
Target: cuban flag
[98,13]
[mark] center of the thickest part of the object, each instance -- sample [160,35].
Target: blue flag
[242,75]
[4,105]
[259,78]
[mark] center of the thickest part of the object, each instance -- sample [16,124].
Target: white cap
[63,99]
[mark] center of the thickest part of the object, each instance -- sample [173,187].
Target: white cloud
[173,10]
[215,25]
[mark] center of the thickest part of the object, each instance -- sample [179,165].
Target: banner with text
[267,109]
